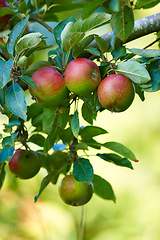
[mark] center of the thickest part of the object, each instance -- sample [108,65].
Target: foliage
[60,128]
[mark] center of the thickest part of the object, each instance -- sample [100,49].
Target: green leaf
[103,189]
[37,139]
[146,3]
[7,11]
[91,8]
[134,70]
[28,80]
[59,28]
[83,170]
[46,180]
[93,21]
[15,101]
[116,159]
[121,149]
[101,44]
[87,113]
[82,45]
[146,53]
[89,132]
[93,143]
[6,153]
[48,118]
[34,67]
[5,71]
[28,41]
[71,40]
[16,33]
[75,124]
[154,71]
[122,23]
[2,173]
[52,136]
[7,141]
[94,51]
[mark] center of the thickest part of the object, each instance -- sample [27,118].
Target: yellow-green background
[136,214]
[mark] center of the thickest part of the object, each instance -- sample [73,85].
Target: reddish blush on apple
[116,93]
[82,76]
[52,91]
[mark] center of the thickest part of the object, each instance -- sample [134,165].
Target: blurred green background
[136,214]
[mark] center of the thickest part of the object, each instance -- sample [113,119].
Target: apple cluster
[81,77]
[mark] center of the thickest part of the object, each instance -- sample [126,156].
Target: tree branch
[142,27]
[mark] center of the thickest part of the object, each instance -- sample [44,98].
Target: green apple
[116,93]
[73,192]
[82,76]
[52,91]
[25,164]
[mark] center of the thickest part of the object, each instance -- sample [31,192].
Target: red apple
[5,18]
[25,164]
[82,76]
[73,192]
[50,83]
[116,93]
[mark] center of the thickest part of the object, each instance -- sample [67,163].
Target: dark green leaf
[93,143]
[48,119]
[2,65]
[6,72]
[89,132]
[101,44]
[103,189]
[28,81]
[46,180]
[2,173]
[7,11]
[93,21]
[87,113]
[34,67]
[154,71]
[122,23]
[139,91]
[7,141]
[83,170]
[91,8]
[116,159]
[65,7]
[6,153]
[93,51]
[16,33]
[52,136]
[67,135]
[121,149]
[75,124]
[37,139]
[146,3]
[59,28]
[82,45]
[118,52]
[15,101]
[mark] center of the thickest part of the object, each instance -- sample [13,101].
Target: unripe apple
[50,83]
[25,164]
[73,192]
[116,93]
[5,18]
[82,76]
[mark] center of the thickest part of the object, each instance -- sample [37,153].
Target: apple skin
[52,90]
[75,193]
[82,76]
[116,93]
[5,18]
[25,164]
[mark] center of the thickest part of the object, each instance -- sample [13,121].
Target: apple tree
[44,101]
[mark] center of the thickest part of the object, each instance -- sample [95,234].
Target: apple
[4,19]
[82,76]
[116,93]
[73,192]
[52,91]
[25,164]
